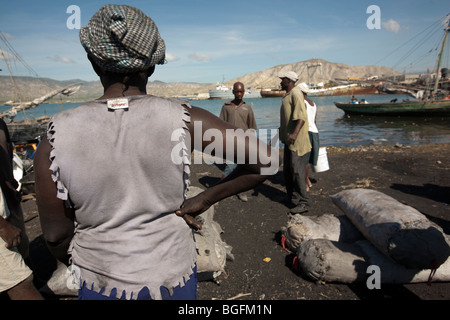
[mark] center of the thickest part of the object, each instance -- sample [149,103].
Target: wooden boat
[343,90]
[431,105]
[410,108]
[27,130]
[272,93]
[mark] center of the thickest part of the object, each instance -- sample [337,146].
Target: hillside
[29,88]
[328,71]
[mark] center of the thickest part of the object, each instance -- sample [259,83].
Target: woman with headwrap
[112,174]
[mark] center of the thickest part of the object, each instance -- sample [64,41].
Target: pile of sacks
[375,230]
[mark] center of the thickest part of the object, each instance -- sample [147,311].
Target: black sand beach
[418,176]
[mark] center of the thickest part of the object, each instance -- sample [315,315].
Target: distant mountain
[317,70]
[29,88]
[23,89]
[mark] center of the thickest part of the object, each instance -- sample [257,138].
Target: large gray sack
[300,228]
[332,261]
[399,231]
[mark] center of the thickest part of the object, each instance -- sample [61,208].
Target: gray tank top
[124,169]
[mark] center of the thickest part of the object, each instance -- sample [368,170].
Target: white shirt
[4,211]
[311,110]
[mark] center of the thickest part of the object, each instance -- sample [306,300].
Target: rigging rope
[11,54]
[16,55]
[427,36]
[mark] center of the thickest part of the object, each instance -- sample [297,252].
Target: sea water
[338,129]
[335,128]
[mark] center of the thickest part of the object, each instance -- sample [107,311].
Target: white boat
[223,92]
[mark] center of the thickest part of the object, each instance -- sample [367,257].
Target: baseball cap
[290,75]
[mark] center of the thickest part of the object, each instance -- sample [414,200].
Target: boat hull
[345,90]
[411,108]
[272,93]
[26,130]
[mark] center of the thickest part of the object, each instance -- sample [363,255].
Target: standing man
[297,147]
[239,114]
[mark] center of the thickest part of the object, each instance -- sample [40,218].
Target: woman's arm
[57,221]
[257,161]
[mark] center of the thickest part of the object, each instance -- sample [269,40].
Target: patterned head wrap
[122,39]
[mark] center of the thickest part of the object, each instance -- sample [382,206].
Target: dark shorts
[315,145]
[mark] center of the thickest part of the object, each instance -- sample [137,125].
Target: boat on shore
[406,108]
[433,102]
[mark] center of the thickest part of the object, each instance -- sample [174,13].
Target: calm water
[335,128]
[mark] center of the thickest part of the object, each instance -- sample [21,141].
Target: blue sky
[208,40]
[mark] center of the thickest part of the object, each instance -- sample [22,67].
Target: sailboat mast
[440,59]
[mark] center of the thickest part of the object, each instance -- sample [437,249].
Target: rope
[295,264]
[283,243]
[425,36]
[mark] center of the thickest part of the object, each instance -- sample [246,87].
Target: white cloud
[170,57]
[7,35]
[7,55]
[61,59]
[199,57]
[391,25]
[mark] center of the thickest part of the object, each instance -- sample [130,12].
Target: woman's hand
[191,208]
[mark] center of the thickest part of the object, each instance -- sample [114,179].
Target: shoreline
[386,148]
